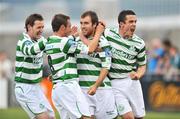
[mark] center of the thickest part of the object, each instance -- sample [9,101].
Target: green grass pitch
[18,113]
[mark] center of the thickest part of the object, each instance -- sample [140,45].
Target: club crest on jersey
[27,43]
[132,48]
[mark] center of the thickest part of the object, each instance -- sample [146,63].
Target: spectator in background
[174,61]
[175,57]
[167,45]
[164,62]
[5,66]
[169,65]
[5,74]
[156,52]
[163,65]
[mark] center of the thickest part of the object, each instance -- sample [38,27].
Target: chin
[38,37]
[131,33]
[84,33]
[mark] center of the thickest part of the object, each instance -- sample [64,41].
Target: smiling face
[128,27]
[36,30]
[87,27]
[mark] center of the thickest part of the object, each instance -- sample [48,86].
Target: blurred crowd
[163,59]
[6,67]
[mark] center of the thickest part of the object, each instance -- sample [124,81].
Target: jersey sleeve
[103,43]
[106,32]
[141,57]
[69,46]
[29,48]
[105,55]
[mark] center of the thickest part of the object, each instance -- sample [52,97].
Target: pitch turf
[18,113]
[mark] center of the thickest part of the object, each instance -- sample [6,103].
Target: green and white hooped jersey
[29,59]
[89,66]
[61,57]
[127,54]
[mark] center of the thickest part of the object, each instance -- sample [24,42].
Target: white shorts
[128,96]
[102,103]
[32,99]
[69,100]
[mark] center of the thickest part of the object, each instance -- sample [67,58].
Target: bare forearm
[102,76]
[94,43]
[141,71]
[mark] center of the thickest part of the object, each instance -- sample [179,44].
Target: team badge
[132,48]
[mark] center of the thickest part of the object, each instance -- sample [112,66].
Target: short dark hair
[123,14]
[58,20]
[31,19]
[93,16]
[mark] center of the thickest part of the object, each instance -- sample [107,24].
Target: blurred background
[158,24]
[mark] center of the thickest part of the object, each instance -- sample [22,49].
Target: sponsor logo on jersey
[37,60]
[122,54]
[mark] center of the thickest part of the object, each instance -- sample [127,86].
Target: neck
[31,36]
[60,34]
[91,35]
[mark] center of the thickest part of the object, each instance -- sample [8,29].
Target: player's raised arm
[30,48]
[94,43]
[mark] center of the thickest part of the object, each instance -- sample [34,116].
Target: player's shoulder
[55,38]
[24,39]
[24,36]
[138,39]
[111,32]
[42,38]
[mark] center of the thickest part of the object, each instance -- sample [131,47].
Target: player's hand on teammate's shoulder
[101,27]
[102,23]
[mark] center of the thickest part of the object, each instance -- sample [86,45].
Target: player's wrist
[96,85]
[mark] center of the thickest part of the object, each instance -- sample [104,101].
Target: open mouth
[39,33]
[132,30]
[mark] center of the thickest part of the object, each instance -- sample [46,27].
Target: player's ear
[120,24]
[29,27]
[62,27]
